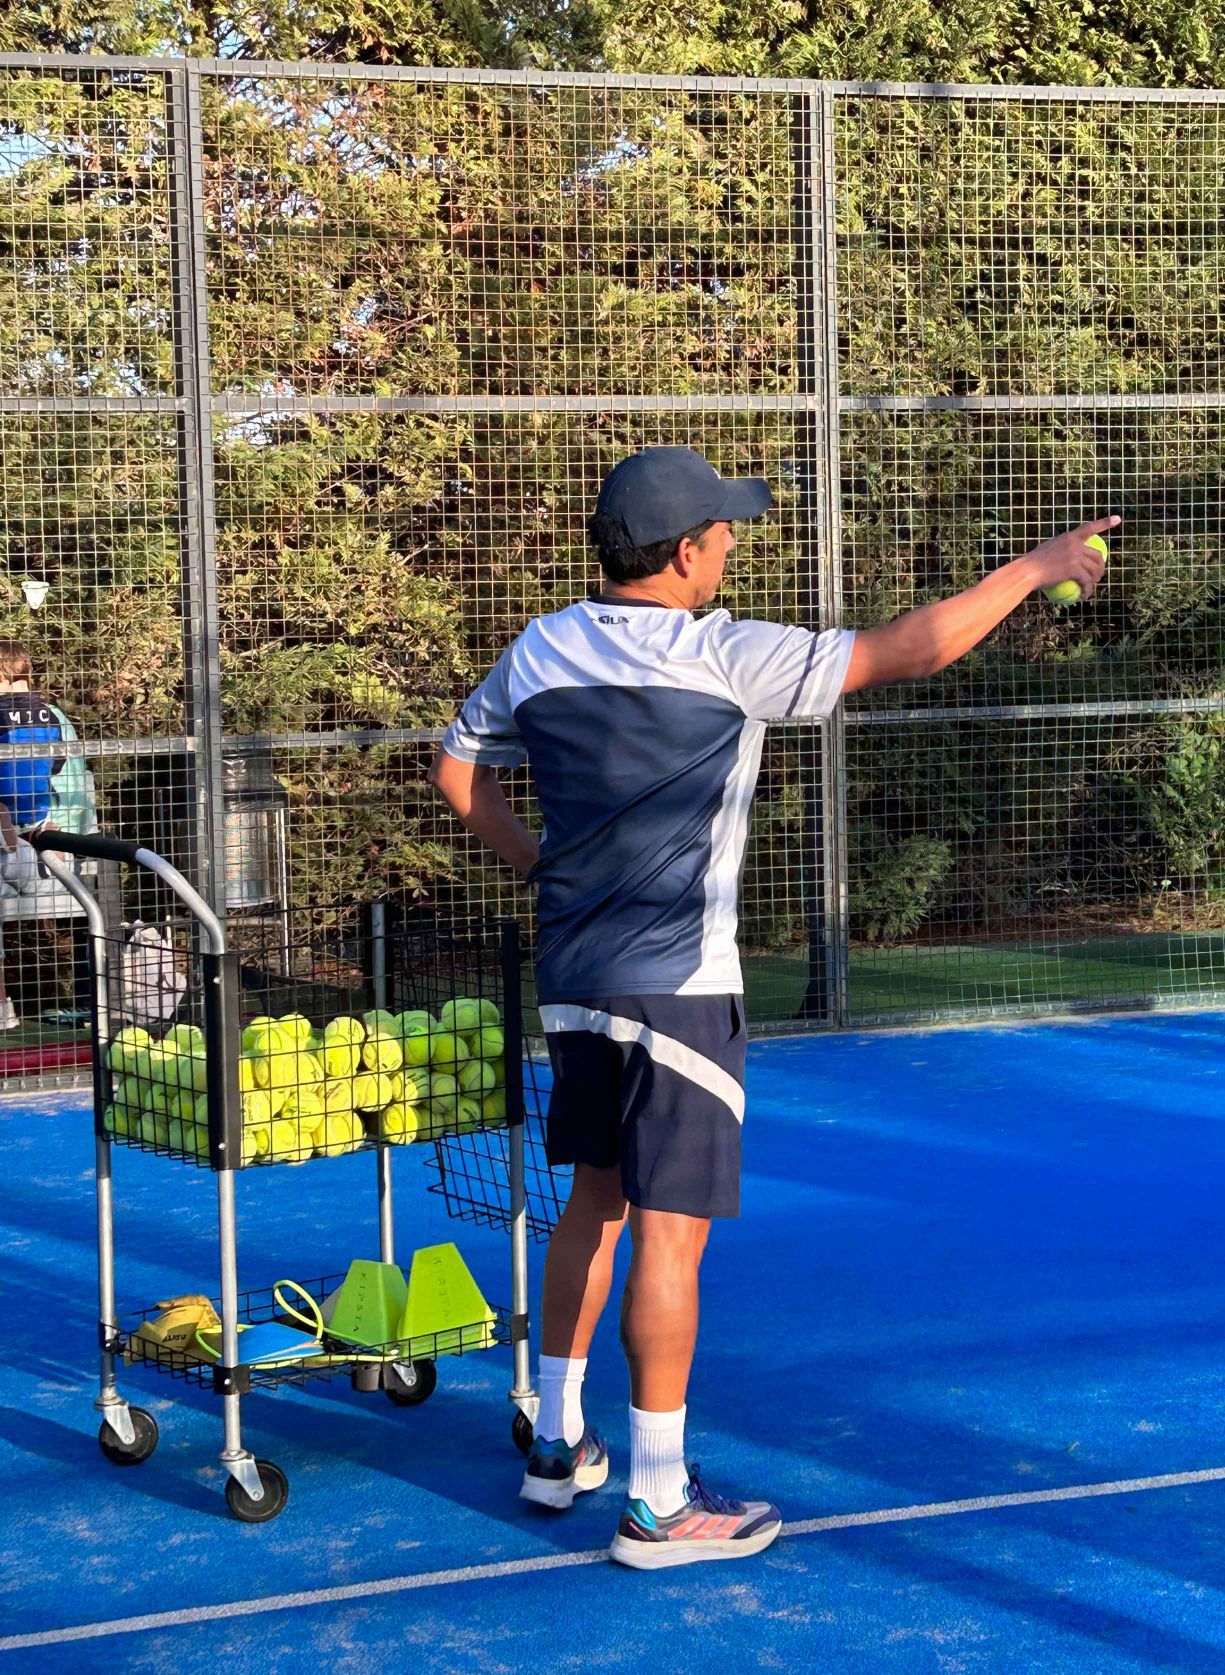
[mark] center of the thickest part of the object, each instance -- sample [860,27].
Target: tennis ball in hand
[1068,593]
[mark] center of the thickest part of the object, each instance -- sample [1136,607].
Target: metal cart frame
[256,1490]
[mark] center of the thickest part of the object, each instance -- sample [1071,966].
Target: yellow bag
[172,1331]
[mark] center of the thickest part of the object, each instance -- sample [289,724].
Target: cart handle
[94,846]
[98,846]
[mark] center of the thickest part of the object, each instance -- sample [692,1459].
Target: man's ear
[684,556]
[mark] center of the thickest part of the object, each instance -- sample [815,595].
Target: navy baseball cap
[661,492]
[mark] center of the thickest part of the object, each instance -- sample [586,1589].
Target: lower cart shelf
[180,1355]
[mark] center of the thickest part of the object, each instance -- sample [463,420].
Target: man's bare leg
[578,1269]
[566,1456]
[659,1308]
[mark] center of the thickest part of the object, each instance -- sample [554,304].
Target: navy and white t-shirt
[643,727]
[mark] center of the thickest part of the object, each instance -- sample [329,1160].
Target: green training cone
[369,1306]
[446,1313]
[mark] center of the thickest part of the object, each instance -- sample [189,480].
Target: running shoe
[556,1472]
[708,1526]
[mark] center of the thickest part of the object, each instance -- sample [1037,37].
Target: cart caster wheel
[366,1378]
[522,1433]
[276,1493]
[410,1395]
[142,1444]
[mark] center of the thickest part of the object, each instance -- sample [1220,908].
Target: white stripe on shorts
[664,1049]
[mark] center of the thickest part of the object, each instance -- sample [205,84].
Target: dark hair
[622,563]
[15,661]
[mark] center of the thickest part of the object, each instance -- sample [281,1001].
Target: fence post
[837,918]
[197,542]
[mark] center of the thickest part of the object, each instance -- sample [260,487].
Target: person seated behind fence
[37,791]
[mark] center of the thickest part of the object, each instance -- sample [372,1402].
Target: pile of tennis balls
[306,1092]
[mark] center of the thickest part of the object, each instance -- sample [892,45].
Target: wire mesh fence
[308,376]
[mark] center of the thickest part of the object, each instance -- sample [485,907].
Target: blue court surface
[969,1333]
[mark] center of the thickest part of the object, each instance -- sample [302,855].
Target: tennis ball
[344,1032]
[416,1083]
[477,1077]
[398,1124]
[493,1107]
[1068,593]
[125,1093]
[284,1141]
[382,1051]
[489,1012]
[338,1096]
[468,1113]
[155,1127]
[461,1017]
[297,1027]
[341,1061]
[380,1022]
[187,1071]
[416,1046]
[371,1092]
[306,1104]
[444,1100]
[415,1023]
[185,1038]
[125,1055]
[246,1075]
[338,1133]
[257,1108]
[254,1145]
[115,1120]
[155,1096]
[487,1043]
[447,1050]
[255,1032]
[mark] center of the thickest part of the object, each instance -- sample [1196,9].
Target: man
[643,725]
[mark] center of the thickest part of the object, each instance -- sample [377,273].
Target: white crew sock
[657,1460]
[560,1383]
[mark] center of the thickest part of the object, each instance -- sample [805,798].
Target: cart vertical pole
[225,1152]
[378,978]
[109,1401]
[512,994]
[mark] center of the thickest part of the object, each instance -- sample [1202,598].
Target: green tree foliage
[448,241]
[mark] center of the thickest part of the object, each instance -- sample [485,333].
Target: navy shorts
[654,1083]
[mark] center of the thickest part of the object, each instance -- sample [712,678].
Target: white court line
[565,1561]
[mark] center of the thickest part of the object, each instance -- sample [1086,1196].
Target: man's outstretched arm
[474,795]
[924,641]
